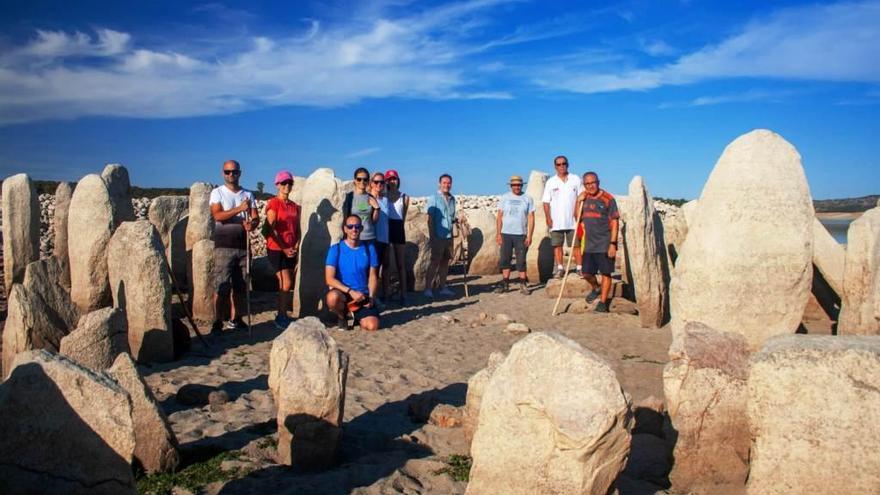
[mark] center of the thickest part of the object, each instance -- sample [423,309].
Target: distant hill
[864,203]
[49,186]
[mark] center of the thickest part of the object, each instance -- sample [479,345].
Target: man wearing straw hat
[514,223]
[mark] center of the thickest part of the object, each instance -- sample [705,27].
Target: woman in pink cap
[398,204]
[282,243]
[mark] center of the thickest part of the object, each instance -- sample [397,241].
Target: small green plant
[193,477]
[458,467]
[268,442]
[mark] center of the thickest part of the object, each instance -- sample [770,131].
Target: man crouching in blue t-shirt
[352,275]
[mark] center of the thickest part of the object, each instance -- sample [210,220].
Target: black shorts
[365,312]
[511,243]
[598,263]
[279,261]
[396,232]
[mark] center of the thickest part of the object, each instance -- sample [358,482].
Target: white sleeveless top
[396,210]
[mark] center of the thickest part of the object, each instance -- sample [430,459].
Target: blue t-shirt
[353,265]
[515,213]
[442,213]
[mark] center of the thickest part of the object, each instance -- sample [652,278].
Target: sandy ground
[426,348]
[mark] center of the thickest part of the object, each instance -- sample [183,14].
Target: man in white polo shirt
[560,195]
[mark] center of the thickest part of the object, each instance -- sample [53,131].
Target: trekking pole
[467,257]
[186,311]
[564,278]
[247,289]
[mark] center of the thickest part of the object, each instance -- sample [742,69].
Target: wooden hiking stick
[183,303]
[565,276]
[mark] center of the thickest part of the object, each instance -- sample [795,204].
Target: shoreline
[838,215]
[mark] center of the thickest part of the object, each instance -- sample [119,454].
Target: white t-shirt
[231,234]
[562,197]
[230,199]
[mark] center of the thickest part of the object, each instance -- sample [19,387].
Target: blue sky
[481,89]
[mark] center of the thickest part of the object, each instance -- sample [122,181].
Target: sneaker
[342,324]
[523,288]
[282,321]
[557,272]
[503,287]
[445,292]
[601,307]
[229,325]
[592,295]
[428,293]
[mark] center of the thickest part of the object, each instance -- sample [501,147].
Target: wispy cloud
[362,153]
[817,42]
[66,75]
[752,95]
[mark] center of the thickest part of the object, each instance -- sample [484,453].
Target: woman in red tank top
[282,243]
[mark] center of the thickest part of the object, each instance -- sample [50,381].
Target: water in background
[837,227]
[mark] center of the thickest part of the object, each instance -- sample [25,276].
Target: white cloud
[817,42]
[362,153]
[69,75]
[752,95]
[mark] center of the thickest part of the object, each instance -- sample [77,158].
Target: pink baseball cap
[283,176]
[391,173]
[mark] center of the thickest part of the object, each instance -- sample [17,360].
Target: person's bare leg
[442,272]
[606,289]
[370,323]
[238,305]
[430,274]
[505,273]
[386,274]
[280,278]
[284,303]
[400,260]
[591,279]
[336,304]
[557,255]
[221,307]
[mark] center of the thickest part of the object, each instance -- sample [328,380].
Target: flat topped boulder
[860,301]
[307,373]
[746,265]
[553,419]
[21,227]
[813,411]
[141,286]
[99,337]
[65,429]
[89,228]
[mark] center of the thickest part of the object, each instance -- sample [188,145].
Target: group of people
[358,268]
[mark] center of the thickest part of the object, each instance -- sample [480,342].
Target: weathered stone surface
[714,281]
[202,283]
[829,257]
[475,390]
[674,233]
[169,215]
[705,388]
[119,186]
[155,444]
[321,226]
[539,257]
[21,227]
[99,337]
[141,286]
[859,313]
[690,211]
[485,253]
[813,409]
[646,258]
[39,312]
[307,373]
[553,419]
[201,223]
[418,247]
[89,228]
[63,195]
[65,429]
[575,287]
[296,192]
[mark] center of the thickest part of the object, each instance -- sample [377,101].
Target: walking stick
[247,289]
[182,303]
[565,277]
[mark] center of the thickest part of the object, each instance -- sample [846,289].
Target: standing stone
[746,267]
[859,314]
[89,228]
[116,177]
[674,233]
[169,215]
[99,337]
[307,373]
[296,191]
[202,282]
[201,224]
[141,286]
[829,257]
[65,429]
[475,390]
[539,257]
[155,444]
[320,226]
[689,210]
[705,387]
[813,410]
[418,247]
[40,312]
[646,257]
[553,419]
[21,227]
[484,251]
[63,195]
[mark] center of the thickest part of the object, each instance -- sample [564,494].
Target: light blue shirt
[382,223]
[515,213]
[442,213]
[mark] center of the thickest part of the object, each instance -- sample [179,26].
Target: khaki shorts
[557,237]
[441,249]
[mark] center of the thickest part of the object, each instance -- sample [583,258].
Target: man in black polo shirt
[597,211]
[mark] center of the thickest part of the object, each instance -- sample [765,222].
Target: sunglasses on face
[378,182]
[362,179]
[392,179]
[354,226]
[232,172]
[516,185]
[590,183]
[562,164]
[286,183]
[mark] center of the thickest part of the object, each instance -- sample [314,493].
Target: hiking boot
[601,307]
[282,321]
[229,325]
[592,295]
[503,287]
[342,324]
[428,293]
[523,288]
[445,292]
[557,272]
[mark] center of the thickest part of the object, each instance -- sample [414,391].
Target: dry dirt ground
[426,349]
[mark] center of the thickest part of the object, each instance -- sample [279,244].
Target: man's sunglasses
[395,179]
[286,183]
[232,172]
[561,164]
[590,183]
[354,226]
[362,179]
